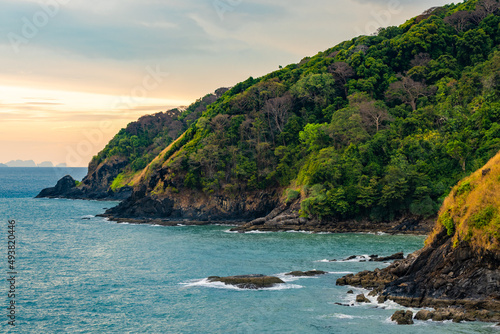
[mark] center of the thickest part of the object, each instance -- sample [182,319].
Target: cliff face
[460,264]
[195,206]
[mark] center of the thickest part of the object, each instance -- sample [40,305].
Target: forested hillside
[378,127]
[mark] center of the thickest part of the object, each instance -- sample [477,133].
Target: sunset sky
[73,72]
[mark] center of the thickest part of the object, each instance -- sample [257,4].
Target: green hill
[376,128]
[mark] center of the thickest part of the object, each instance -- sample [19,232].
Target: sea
[75,272]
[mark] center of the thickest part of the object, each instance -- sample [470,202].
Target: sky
[74,72]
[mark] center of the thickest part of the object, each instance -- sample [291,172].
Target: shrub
[446,220]
[291,195]
[484,217]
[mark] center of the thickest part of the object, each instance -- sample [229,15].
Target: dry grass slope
[471,213]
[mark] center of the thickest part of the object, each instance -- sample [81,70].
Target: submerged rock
[403,317]
[307,273]
[248,281]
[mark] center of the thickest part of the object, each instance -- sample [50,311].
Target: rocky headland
[458,271]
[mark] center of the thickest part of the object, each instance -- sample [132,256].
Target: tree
[277,109]
[485,8]
[459,151]
[316,88]
[408,91]
[473,47]
[342,72]
[372,113]
[459,20]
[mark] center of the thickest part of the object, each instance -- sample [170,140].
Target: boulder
[403,317]
[423,315]
[362,299]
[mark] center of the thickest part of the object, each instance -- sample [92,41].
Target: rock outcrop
[95,186]
[306,273]
[248,281]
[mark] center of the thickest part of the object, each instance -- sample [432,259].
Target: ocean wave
[359,258]
[258,232]
[87,217]
[219,285]
[229,231]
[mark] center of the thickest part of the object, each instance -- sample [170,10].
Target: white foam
[359,258]
[290,278]
[258,232]
[343,316]
[181,225]
[88,216]
[229,231]
[219,285]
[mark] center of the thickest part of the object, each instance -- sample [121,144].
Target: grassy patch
[484,217]
[119,182]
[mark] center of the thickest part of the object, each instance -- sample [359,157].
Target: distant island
[31,163]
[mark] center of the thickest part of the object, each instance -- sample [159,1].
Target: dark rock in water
[307,273]
[397,256]
[350,292]
[340,304]
[381,299]
[374,257]
[248,281]
[362,299]
[403,317]
[95,186]
[65,185]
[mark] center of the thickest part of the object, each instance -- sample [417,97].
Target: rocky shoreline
[458,283]
[258,211]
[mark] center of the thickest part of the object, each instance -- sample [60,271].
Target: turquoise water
[93,276]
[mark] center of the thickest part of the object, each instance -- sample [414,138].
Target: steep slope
[460,264]
[111,172]
[376,129]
